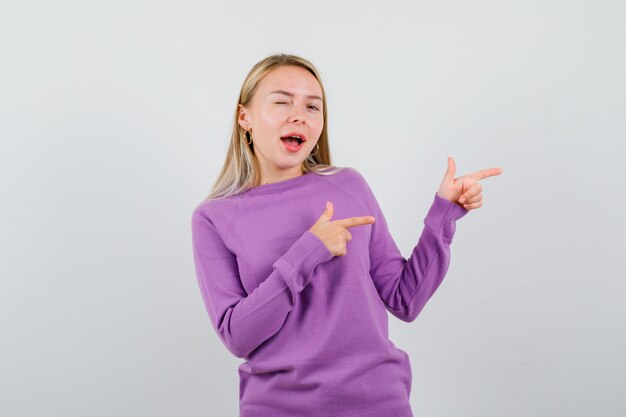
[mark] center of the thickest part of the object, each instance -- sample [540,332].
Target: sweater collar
[283,185]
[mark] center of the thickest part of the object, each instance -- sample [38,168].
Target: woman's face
[287,100]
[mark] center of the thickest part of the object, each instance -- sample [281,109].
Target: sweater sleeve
[405,285]
[244,321]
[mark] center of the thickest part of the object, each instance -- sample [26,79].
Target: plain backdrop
[114,121]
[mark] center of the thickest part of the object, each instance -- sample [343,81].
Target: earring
[317,147]
[248,137]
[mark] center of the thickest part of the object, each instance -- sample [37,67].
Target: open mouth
[292,140]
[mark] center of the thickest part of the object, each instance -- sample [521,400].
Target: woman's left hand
[465,190]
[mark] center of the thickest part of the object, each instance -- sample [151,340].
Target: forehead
[290,78]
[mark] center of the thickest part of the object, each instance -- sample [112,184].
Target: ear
[242,117]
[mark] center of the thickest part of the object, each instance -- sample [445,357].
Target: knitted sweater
[313,327]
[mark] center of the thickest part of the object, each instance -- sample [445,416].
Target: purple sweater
[313,327]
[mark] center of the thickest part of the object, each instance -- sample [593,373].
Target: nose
[297,115]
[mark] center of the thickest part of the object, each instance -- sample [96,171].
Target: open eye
[315,107]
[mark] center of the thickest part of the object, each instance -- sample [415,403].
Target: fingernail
[327,204]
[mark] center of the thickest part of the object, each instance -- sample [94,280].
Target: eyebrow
[287,93]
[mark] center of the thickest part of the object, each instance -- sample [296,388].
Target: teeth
[297,139]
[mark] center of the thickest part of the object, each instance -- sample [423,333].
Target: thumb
[449,175]
[327,214]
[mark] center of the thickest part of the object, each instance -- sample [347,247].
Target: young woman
[296,265]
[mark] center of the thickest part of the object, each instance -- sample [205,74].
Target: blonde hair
[240,171]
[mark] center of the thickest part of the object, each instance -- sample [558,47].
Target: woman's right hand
[334,233]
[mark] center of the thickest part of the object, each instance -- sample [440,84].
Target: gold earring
[248,137]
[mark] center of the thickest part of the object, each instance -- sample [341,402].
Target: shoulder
[352,182]
[218,212]
[346,176]
[352,178]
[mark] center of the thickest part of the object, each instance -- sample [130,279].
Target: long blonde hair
[240,171]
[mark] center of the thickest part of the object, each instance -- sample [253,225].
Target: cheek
[271,121]
[318,125]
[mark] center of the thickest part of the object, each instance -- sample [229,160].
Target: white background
[114,123]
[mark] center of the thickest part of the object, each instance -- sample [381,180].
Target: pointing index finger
[356,221]
[484,173]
